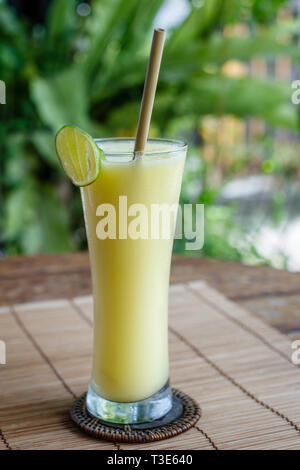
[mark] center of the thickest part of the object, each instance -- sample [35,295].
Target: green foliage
[266,11]
[90,71]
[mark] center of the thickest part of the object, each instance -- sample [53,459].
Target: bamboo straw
[149,90]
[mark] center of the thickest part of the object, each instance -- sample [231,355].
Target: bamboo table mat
[237,368]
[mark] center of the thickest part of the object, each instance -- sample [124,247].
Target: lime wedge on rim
[78,154]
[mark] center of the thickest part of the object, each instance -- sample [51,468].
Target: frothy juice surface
[131,277]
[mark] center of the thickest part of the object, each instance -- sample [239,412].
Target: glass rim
[178,146]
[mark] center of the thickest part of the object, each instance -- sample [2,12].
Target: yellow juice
[131,277]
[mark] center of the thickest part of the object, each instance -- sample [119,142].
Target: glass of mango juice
[130,278]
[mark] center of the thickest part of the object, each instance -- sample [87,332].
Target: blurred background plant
[225,87]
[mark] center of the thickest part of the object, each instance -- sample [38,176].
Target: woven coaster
[184,414]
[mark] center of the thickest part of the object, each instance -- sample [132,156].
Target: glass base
[143,411]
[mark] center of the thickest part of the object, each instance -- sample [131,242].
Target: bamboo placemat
[237,368]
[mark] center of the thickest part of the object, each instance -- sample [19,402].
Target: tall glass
[130,277]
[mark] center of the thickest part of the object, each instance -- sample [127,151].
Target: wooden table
[273,295]
[233,364]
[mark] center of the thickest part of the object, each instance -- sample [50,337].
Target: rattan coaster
[184,414]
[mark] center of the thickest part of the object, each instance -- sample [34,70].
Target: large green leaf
[218,94]
[119,31]
[192,59]
[61,19]
[35,220]
[19,210]
[63,99]
[105,25]
[48,231]
[199,23]
[266,11]
[9,23]
[140,26]
[44,144]
[126,74]
[17,165]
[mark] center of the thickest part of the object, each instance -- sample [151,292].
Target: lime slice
[79,155]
